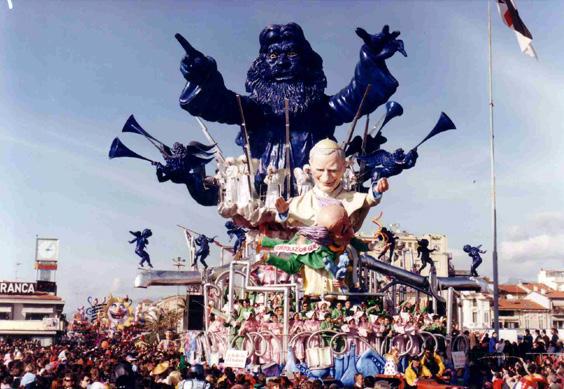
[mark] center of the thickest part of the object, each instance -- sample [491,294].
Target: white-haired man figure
[328,165]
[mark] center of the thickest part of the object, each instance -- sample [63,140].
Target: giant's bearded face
[286,67]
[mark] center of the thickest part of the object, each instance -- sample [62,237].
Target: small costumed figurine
[315,249]
[203,243]
[239,233]
[245,197]
[141,241]
[304,179]
[272,181]
[349,178]
[474,253]
[424,252]
[231,181]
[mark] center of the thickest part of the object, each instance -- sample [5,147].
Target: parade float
[294,201]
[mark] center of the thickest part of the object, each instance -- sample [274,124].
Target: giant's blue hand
[382,45]
[195,66]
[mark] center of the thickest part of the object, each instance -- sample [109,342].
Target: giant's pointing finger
[185,44]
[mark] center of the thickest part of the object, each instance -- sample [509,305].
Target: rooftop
[555,295]
[511,289]
[520,305]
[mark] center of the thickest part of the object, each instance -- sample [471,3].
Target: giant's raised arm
[205,94]
[371,69]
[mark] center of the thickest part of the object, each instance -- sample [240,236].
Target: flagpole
[492,169]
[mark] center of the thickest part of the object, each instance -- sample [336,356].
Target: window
[4,316]
[35,316]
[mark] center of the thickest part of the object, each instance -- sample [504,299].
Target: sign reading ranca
[17,287]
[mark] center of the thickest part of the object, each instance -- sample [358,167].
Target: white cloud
[533,245]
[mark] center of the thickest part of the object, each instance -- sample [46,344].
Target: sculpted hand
[281,205]
[195,65]
[382,45]
[382,185]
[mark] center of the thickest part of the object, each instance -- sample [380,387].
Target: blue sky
[73,71]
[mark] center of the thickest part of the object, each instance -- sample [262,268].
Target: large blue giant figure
[288,68]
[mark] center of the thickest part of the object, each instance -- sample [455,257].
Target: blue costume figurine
[203,243]
[474,253]
[423,252]
[141,241]
[382,163]
[339,270]
[186,165]
[240,235]
[390,240]
[288,68]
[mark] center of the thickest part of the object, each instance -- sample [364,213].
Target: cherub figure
[141,241]
[240,235]
[423,251]
[203,243]
[382,163]
[474,253]
[389,243]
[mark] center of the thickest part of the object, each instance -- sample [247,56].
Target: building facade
[28,310]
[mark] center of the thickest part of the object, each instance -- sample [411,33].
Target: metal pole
[493,191]
[287,164]
[230,288]
[449,310]
[286,324]
[356,117]
[210,138]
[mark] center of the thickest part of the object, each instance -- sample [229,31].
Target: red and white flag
[511,18]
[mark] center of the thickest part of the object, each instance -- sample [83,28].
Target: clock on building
[47,249]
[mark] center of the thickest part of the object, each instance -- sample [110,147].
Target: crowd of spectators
[92,356]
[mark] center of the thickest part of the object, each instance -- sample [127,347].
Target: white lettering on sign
[17,288]
[235,358]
